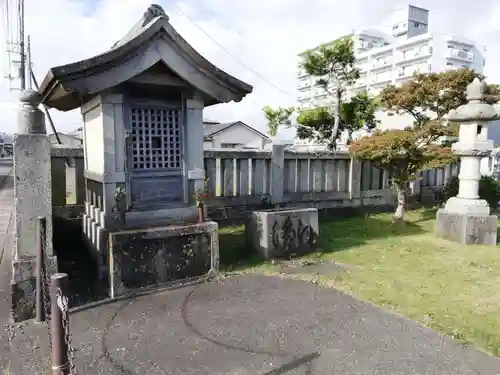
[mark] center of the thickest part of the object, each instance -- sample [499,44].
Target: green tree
[276,118]
[432,96]
[356,113]
[318,123]
[333,68]
[405,153]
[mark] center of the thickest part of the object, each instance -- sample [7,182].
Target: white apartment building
[391,54]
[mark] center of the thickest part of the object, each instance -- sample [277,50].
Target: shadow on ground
[336,234]
[427,214]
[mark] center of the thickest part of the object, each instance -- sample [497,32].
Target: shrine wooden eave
[67,87]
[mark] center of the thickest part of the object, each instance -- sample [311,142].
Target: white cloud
[265,35]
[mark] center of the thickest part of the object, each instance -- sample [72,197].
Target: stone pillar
[354,179]
[416,185]
[277,173]
[32,189]
[194,145]
[466,218]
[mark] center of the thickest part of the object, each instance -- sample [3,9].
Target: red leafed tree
[404,153]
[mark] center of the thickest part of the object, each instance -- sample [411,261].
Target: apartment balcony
[360,83]
[420,53]
[404,74]
[381,82]
[303,84]
[380,64]
[301,73]
[303,98]
[460,55]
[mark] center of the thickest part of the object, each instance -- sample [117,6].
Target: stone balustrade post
[33,199]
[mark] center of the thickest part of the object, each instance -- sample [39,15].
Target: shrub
[489,190]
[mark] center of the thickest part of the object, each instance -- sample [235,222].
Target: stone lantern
[466,218]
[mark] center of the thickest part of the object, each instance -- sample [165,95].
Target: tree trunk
[401,199]
[336,123]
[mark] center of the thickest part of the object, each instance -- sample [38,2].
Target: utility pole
[28,57]
[22,68]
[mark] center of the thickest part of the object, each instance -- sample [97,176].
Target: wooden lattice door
[155,156]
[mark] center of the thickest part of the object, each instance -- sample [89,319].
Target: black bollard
[59,324]
[41,230]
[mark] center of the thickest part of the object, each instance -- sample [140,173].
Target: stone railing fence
[240,179]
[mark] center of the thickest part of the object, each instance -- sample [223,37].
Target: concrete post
[466,218]
[194,145]
[277,173]
[354,179]
[33,199]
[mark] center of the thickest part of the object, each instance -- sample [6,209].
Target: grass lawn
[452,288]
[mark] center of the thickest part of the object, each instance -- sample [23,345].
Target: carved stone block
[282,233]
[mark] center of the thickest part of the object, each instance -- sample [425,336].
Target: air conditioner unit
[401,73]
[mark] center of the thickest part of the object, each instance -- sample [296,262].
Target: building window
[449,63]
[416,24]
[230,145]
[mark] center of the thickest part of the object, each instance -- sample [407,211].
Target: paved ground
[6,206]
[250,325]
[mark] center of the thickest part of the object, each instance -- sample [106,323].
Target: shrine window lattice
[156,138]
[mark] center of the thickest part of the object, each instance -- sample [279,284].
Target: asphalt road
[6,206]
[250,325]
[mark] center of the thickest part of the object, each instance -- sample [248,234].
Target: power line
[175,4]
[22,68]
[6,13]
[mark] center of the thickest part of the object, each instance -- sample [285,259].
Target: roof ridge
[154,11]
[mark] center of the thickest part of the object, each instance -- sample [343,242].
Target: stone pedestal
[282,233]
[467,229]
[148,257]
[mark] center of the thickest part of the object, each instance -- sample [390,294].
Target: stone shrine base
[467,229]
[23,287]
[140,258]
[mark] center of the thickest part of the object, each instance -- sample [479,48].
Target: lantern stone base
[467,229]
